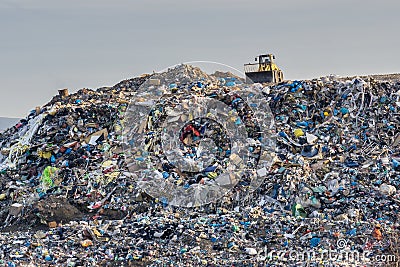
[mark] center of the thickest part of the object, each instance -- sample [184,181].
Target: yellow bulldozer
[264,71]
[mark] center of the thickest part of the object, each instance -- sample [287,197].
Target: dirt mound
[56,209]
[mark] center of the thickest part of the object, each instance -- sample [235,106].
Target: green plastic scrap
[298,210]
[48,176]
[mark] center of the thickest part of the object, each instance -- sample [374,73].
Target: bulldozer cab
[264,71]
[265,59]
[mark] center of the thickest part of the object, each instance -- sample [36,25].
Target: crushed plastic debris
[69,195]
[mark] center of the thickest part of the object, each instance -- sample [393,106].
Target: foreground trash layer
[329,192]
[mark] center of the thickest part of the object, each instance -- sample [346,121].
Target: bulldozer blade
[260,77]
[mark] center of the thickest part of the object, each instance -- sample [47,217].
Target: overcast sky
[47,45]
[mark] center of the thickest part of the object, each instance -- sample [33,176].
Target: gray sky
[46,45]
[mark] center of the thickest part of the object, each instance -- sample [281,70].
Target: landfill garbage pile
[199,140]
[68,195]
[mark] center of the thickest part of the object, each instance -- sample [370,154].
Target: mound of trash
[70,197]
